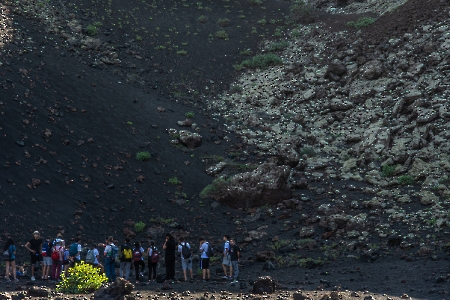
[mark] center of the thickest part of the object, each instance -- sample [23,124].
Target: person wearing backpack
[46,256]
[235,254]
[153,259]
[35,247]
[186,257]
[57,256]
[205,249]
[126,256]
[9,257]
[170,247]
[138,255]
[226,256]
[75,252]
[111,252]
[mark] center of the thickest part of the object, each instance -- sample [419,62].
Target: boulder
[40,292]
[372,69]
[5,296]
[265,255]
[264,284]
[115,291]
[265,185]
[428,198]
[190,139]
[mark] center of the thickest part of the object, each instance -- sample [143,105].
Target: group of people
[56,257]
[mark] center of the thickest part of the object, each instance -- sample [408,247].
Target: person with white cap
[35,248]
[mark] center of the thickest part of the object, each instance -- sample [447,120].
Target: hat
[36,232]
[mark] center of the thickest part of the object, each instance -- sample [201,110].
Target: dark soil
[71,127]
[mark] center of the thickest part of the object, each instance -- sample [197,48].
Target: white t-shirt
[180,249]
[79,251]
[96,254]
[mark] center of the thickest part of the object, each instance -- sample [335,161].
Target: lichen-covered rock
[190,139]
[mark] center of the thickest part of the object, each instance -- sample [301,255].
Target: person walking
[57,256]
[204,259]
[186,258]
[138,253]
[235,256]
[46,257]
[126,256]
[75,252]
[9,256]
[226,256]
[169,256]
[153,259]
[35,247]
[110,259]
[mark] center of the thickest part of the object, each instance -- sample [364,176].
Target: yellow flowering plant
[82,279]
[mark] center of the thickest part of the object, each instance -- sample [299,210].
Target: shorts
[186,264]
[35,258]
[226,261]
[47,261]
[10,260]
[204,263]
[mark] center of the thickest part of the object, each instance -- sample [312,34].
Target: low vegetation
[82,279]
[361,22]
[143,155]
[262,61]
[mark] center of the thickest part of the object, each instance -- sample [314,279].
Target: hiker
[226,257]
[66,259]
[35,247]
[46,257]
[153,259]
[169,256]
[204,259]
[57,257]
[138,260]
[75,252]
[235,255]
[186,258]
[110,253]
[9,256]
[126,255]
[94,254]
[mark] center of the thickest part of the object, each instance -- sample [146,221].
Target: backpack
[90,257]
[185,251]
[127,252]
[155,256]
[55,254]
[73,250]
[114,252]
[209,251]
[137,255]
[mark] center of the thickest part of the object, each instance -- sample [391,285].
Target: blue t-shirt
[12,249]
[203,250]
[226,248]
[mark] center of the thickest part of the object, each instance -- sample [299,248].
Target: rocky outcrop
[264,285]
[115,291]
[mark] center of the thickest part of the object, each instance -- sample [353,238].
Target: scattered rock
[264,284]
[118,288]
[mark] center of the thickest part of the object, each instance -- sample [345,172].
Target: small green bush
[255,2]
[92,30]
[262,22]
[82,279]
[215,189]
[303,13]
[129,123]
[277,46]
[139,38]
[189,114]
[174,180]
[406,180]
[361,22]
[221,34]
[143,155]
[387,170]
[139,226]
[202,19]
[182,52]
[261,62]
[223,22]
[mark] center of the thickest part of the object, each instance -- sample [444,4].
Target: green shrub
[129,123]
[215,189]
[277,46]
[262,22]
[202,19]
[223,22]
[255,2]
[261,61]
[406,180]
[139,38]
[303,13]
[246,52]
[361,22]
[221,34]
[387,170]
[174,180]
[189,114]
[82,279]
[182,52]
[139,226]
[92,30]
[143,155]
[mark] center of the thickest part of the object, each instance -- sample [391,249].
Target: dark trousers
[170,269]
[136,268]
[152,270]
